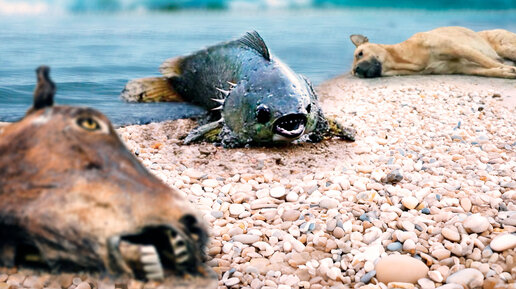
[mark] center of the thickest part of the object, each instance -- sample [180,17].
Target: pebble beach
[424,198]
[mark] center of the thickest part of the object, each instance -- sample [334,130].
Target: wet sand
[322,215]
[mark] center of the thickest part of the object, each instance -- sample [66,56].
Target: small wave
[23,8]
[34,7]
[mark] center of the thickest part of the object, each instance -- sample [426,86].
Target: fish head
[275,105]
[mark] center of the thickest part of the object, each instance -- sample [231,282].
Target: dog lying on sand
[445,50]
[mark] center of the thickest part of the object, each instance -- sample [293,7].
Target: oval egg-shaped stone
[400,268]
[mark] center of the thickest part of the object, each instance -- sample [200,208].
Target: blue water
[93,55]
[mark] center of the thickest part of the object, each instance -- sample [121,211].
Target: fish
[251,96]
[75,199]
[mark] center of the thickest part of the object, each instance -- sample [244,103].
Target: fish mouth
[290,126]
[157,252]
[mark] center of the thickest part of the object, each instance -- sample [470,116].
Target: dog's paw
[509,71]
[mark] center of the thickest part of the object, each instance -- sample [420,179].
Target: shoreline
[313,215]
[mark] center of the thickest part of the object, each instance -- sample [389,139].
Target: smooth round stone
[409,245]
[246,239]
[469,278]
[338,232]
[436,276]
[232,281]
[395,246]
[328,203]
[440,254]
[476,223]
[503,242]
[426,283]
[451,234]
[409,202]
[290,215]
[368,276]
[277,192]
[236,209]
[292,197]
[388,269]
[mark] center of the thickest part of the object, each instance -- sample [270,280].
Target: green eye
[88,123]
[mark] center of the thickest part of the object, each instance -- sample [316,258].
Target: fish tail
[150,89]
[171,67]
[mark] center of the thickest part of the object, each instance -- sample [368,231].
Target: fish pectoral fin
[171,67]
[208,132]
[150,89]
[336,129]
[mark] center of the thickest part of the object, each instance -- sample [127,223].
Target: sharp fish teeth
[180,249]
[217,108]
[221,101]
[231,83]
[151,263]
[225,92]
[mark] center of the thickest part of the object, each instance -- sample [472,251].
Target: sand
[322,215]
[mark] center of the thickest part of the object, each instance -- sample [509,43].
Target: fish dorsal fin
[171,67]
[254,40]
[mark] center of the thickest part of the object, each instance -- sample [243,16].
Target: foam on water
[31,7]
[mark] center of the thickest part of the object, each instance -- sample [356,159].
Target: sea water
[93,54]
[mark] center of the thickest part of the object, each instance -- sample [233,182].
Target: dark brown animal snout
[368,68]
[75,199]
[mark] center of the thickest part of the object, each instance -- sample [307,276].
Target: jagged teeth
[151,263]
[180,249]
[225,92]
[221,101]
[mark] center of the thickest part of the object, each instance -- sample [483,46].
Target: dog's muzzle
[369,68]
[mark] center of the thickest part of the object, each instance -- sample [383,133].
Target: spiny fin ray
[254,41]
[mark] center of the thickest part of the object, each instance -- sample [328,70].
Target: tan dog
[446,50]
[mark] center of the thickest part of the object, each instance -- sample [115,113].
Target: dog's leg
[502,72]
[395,72]
[472,55]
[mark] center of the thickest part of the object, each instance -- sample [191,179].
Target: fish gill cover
[39,6]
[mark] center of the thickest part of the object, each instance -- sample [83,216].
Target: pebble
[451,234]
[290,215]
[436,276]
[277,192]
[469,278]
[393,177]
[292,197]
[440,254]
[503,242]
[231,281]
[476,223]
[388,269]
[328,203]
[236,209]
[426,283]
[395,246]
[368,276]
[409,202]
[246,239]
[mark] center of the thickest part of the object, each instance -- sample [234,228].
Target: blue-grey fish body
[253,97]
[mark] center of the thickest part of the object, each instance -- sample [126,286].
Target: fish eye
[88,123]
[263,113]
[308,108]
[360,54]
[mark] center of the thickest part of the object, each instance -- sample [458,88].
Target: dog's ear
[358,39]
